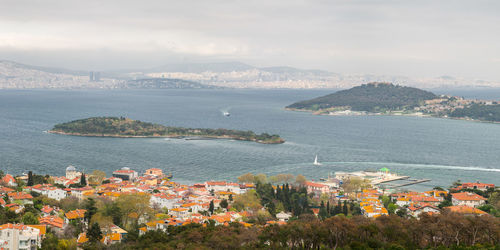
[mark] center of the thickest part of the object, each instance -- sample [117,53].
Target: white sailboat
[316,163]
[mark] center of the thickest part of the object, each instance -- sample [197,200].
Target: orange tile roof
[466,196]
[42,228]
[465,210]
[54,221]
[75,214]
[20,196]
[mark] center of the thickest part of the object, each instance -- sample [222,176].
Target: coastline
[364,113]
[174,136]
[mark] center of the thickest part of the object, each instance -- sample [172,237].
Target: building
[154,172]
[125,174]
[282,216]
[476,185]
[417,209]
[19,236]
[317,188]
[467,199]
[9,180]
[71,172]
[466,210]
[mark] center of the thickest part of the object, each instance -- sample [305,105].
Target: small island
[380,98]
[127,128]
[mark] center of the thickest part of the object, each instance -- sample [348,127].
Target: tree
[224,204]
[246,178]
[391,208]
[94,233]
[97,177]
[83,180]
[91,209]
[344,208]
[300,179]
[211,207]
[30,219]
[30,179]
[230,197]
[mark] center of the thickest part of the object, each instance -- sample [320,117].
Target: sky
[423,38]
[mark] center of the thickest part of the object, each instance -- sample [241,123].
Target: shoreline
[389,114]
[173,136]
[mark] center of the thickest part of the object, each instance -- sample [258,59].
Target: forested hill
[125,127]
[371,97]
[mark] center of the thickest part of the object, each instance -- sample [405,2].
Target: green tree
[83,180]
[211,207]
[224,203]
[30,179]
[391,208]
[91,209]
[29,219]
[94,233]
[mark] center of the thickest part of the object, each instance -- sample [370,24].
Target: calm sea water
[439,149]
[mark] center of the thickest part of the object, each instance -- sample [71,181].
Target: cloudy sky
[414,38]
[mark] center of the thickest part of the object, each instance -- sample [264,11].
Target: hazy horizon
[416,39]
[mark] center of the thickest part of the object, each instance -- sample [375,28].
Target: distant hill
[166,83]
[372,97]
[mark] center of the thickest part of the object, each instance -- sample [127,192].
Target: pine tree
[344,208]
[224,204]
[211,207]
[83,180]
[328,207]
[94,233]
[30,179]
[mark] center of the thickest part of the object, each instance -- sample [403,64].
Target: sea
[442,150]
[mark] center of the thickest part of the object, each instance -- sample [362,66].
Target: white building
[164,200]
[125,174]
[56,193]
[71,172]
[19,236]
[467,199]
[218,186]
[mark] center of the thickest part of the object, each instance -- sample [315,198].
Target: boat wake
[365,164]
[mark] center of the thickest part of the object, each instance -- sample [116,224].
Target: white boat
[225,113]
[316,163]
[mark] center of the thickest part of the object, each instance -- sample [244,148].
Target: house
[425,199]
[21,197]
[82,192]
[78,214]
[217,186]
[475,185]
[282,216]
[417,209]
[71,173]
[466,210]
[19,236]
[374,211]
[47,210]
[467,199]
[56,193]
[9,180]
[55,223]
[164,200]
[179,212]
[154,172]
[125,174]
[317,188]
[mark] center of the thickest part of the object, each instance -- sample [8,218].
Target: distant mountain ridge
[372,97]
[233,74]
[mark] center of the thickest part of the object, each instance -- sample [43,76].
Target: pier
[411,182]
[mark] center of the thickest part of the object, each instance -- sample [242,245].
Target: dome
[70,168]
[125,168]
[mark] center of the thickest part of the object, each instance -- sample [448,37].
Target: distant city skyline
[409,38]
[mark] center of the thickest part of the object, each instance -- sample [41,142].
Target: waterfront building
[125,174]
[467,199]
[71,172]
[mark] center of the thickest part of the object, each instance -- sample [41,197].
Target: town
[80,209]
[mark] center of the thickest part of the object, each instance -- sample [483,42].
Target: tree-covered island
[389,99]
[128,128]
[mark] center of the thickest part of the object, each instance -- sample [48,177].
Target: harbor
[383,178]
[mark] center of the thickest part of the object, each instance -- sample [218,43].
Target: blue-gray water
[439,149]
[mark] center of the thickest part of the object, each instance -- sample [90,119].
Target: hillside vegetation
[372,97]
[124,127]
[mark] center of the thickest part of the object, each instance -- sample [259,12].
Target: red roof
[466,196]
[20,196]
[318,185]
